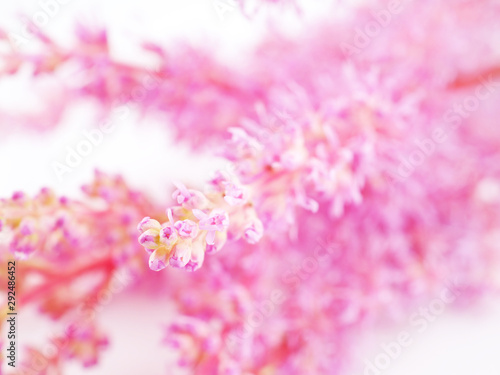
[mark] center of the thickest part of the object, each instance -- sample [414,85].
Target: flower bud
[159,259]
[197,257]
[220,241]
[150,239]
[181,254]
[148,223]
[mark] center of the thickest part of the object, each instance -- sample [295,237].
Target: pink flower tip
[149,239]
[148,223]
[156,264]
[158,260]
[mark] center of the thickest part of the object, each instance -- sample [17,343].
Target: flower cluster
[61,242]
[80,342]
[200,223]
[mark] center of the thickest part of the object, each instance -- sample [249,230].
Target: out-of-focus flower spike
[18,196]
[23,246]
[254,232]
[27,227]
[307,203]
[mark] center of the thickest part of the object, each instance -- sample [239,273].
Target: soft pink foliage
[360,185]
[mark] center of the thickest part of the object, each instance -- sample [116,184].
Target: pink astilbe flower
[200,223]
[89,71]
[81,342]
[62,241]
[360,185]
